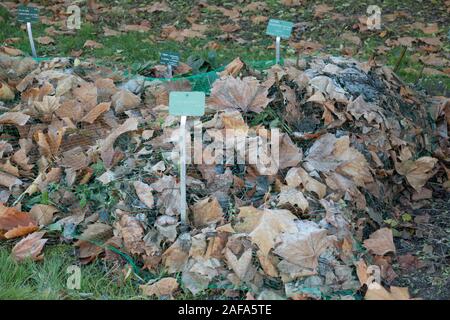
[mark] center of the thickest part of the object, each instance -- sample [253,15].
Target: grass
[47,279]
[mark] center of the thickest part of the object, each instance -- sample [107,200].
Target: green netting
[200,82]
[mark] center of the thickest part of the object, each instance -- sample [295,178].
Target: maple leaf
[132,233]
[16,118]
[303,246]
[95,112]
[5,92]
[296,177]
[375,291]
[331,154]
[43,214]
[162,287]
[144,193]
[29,247]
[207,211]
[380,242]
[264,226]
[245,94]
[242,265]
[417,172]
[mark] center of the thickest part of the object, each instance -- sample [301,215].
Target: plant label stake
[29,15]
[279,29]
[170,59]
[185,104]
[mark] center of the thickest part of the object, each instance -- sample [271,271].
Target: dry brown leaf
[16,118]
[233,68]
[264,226]
[321,9]
[144,193]
[106,148]
[135,28]
[45,40]
[15,222]
[245,94]
[75,159]
[92,115]
[294,198]
[417,172]
[380,242]
[303,246]
[8,180]
[44,109]
[124,100]
[331,154]
[11,51]
[207,211]
[375,291]
[91,44]
[176,256]
[43,214]
[29,247]
[5,92]
[240,266]
[370,111]
[20,231]
[296,177]
[132,233]
[163,287]
[96,232]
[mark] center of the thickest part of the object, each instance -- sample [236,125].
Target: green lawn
[47,279]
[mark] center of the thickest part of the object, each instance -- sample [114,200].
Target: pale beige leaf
[124,100]
[144,192]
[296,177]
[29,247]
[380,242]
[163,287]
[92,115]
[242,265]
[43,214]
[5,92]
[331,154]
[417,172]
[375,291]
[264,226]
[245,94]
[97,232]
[207,211]
[293,197]
[303,246]
[16,118]
[8,180]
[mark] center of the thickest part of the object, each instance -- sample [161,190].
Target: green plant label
[27,14]
[189,103]
[169,58]
[279,28]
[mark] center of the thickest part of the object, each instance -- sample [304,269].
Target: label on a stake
[279,28]
[27,14]
[189,103]
[170,58]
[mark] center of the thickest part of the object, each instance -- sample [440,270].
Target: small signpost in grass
[28,15]
[170,59]
[279,29]
[185,104]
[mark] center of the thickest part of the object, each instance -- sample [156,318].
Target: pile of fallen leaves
[85,158]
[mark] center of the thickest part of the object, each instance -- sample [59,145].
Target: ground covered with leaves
[361,183]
